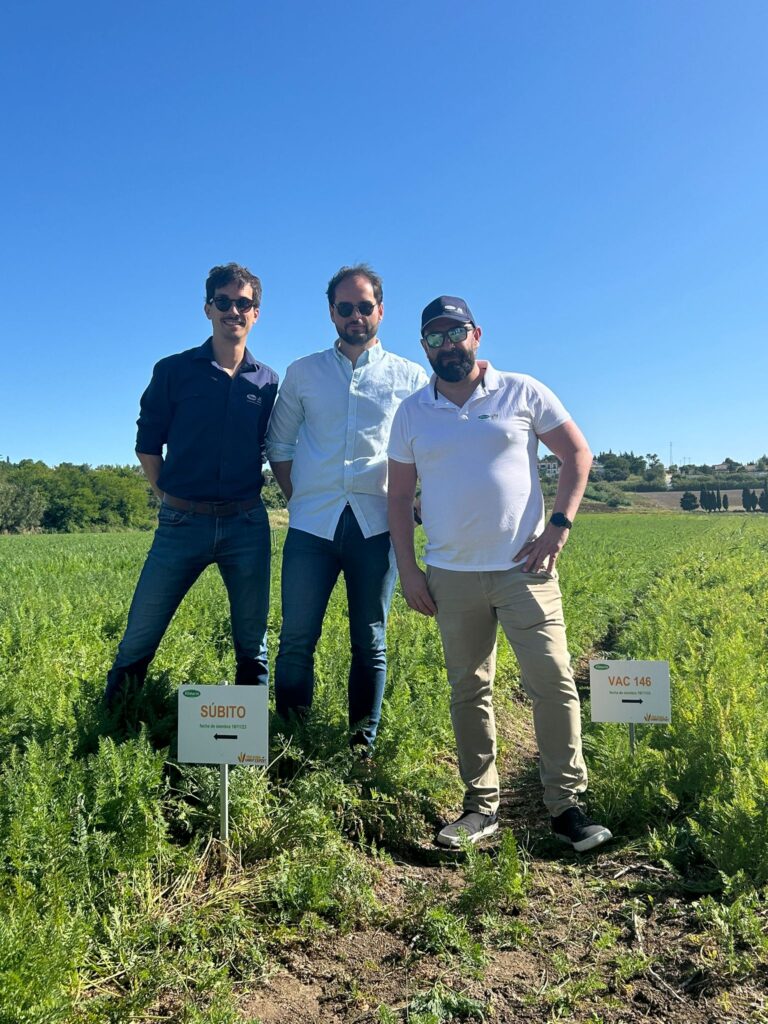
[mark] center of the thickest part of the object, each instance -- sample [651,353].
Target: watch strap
[558,519]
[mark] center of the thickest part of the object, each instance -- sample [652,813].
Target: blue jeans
[185,543]
[311,566]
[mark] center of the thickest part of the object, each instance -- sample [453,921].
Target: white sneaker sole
[589,843]
[453,842]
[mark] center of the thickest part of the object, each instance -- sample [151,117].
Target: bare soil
[611,940]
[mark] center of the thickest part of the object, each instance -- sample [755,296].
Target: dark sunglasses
[364,308]
[222,303]
[455,335]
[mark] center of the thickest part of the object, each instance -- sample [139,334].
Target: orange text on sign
[222,711]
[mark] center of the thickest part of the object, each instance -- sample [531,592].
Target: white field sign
[630,691]
[223,724]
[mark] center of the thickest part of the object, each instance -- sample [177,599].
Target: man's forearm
[282,473]
[151,464]
[572,482]
[401,532]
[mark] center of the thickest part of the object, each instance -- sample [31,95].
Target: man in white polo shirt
[471,435]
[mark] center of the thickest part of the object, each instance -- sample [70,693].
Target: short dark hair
[358,270]
[228,273]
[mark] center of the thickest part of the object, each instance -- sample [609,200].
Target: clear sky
[591,176]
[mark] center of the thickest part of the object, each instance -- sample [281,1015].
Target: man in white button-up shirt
[327,445]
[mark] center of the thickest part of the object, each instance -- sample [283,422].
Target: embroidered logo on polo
[254,399]
[489,416]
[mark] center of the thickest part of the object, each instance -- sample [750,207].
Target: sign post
[632,692]
[224,802]
[215,728]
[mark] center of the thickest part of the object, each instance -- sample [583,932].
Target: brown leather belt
[210,508]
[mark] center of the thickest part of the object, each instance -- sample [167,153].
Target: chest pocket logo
[253,399]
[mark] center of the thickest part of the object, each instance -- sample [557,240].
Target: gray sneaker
[472,824]
[576,829]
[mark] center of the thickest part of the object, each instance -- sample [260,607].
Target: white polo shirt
[481,500]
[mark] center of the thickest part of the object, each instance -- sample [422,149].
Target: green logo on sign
[191,693]
[601,667]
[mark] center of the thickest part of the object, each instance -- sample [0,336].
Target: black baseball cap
[447,307]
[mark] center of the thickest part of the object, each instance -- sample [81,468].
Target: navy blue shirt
[212,425]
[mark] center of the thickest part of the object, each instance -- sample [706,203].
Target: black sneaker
[472,824]
[575,828]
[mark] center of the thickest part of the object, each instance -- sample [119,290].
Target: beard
[359,337]
[454,366]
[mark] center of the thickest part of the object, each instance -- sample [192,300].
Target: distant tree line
[711,500]
[647,469]
[729,473]
[752,502]
[70,498]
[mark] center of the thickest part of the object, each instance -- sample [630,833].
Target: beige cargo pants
[529,608]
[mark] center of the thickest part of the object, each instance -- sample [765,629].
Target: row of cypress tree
[711,500]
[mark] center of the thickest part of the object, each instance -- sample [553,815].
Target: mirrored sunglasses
[455,335]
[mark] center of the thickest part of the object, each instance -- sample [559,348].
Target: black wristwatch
[558,519]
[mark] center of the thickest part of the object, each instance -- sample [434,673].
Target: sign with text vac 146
[223,724]
[630,691]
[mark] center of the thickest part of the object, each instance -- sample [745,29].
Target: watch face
[558,519]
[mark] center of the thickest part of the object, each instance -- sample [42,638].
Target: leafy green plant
[492,883]
[441,1004]
[432,926]
[734,934]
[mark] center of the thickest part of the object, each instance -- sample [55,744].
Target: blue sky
[592,177]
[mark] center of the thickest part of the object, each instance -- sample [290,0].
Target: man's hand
[416,593]
[541,552]
[152,464]
[281,471]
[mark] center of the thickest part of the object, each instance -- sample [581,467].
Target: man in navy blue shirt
[201,445]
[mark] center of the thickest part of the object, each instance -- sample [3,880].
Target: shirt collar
[205,351]
[368,355]
[491,382]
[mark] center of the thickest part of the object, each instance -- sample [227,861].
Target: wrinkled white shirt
[481,497]
[332,420]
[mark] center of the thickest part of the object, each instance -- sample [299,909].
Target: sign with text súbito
[630,691]
[223,724]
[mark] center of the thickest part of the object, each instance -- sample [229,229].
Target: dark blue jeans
[311,566]
[185,543]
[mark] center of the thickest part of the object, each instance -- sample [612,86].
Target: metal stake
[224,798]
[224,794]
[632,738]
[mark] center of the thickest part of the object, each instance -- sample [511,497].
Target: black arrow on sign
[631,700]
[221,736]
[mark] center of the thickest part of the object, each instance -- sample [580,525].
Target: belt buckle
[220,508]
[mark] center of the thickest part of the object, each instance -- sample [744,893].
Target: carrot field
[117,903]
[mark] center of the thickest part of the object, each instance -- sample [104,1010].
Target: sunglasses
[455,335]
[345,309]
[223,304]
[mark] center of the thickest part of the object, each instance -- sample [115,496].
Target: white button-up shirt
[332,420]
